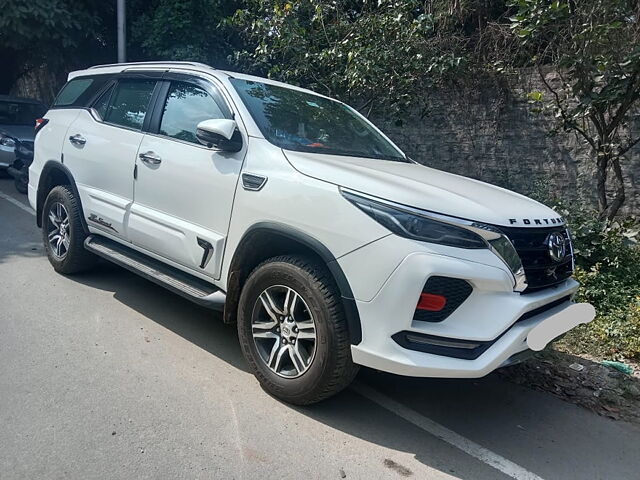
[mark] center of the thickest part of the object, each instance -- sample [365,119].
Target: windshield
[304,122]
[20,113]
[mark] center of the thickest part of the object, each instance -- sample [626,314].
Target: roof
[195,66]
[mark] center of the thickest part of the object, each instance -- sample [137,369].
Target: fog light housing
[440,297]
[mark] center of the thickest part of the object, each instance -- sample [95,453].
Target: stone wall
[492,134]
[39,83]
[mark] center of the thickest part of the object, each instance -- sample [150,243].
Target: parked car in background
[19,170]
[303,222]
[17,120]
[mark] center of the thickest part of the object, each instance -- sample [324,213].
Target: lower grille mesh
[454,290]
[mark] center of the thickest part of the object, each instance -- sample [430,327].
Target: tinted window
[80,91]
[103,102]
[186,106]
[301,121]
[20,113]
[71,91]
[129,103]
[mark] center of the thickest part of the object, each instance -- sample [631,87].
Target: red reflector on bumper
[431,302]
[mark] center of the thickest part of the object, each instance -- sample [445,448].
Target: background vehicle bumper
[7,156]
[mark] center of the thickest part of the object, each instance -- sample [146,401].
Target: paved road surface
[106,375]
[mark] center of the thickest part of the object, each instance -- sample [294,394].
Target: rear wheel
[63,234]
[293,331]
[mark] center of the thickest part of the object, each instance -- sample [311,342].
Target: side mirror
[220,133]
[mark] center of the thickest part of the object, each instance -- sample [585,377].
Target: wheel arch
[268,239]
[54,174]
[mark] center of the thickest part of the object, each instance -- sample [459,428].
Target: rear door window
[129,103]
[101,105]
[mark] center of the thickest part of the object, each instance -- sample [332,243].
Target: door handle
[77,140]
[150,158]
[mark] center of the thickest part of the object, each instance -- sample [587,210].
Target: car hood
[426,188]
[21,132]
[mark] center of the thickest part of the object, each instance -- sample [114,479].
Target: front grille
[455,290]
[531,244]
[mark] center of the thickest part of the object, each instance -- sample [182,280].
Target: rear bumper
[493,315]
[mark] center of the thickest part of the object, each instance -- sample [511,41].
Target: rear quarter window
[80,91]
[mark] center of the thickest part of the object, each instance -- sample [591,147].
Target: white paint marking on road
[443,433]
[18,203]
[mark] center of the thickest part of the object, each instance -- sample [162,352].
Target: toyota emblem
[557,247]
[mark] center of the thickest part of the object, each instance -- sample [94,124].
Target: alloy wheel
[284,331]
[58,230]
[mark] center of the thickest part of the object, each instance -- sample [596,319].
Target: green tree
[183,30]
[593,46]
[60,34]
[370,54]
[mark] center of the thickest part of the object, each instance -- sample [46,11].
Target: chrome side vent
[253,182]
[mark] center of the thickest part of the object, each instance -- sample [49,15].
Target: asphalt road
[105,375]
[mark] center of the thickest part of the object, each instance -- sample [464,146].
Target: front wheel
[293,330]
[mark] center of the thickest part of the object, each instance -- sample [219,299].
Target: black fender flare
[44,185]
[313,244]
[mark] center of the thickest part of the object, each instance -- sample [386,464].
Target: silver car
[17,121]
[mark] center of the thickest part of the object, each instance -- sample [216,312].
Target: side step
[197,290]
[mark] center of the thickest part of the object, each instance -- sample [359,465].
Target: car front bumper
[493,315]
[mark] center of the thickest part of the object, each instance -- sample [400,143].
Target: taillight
[431,302]
[40,122]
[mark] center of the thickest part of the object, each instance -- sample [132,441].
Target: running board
[190,287]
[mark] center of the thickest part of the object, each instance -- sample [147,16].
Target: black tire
[76,258]
[21,184]
[331,368]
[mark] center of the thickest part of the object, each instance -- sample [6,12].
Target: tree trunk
[609,209]
[619,198]
[602,164]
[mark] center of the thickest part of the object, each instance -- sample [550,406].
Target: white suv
[302,222]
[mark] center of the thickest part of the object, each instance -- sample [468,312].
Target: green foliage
[61,22]
[608,268]
[183,30]
[369,54]
[593,47]
[58,33]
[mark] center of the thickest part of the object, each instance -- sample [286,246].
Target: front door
[184,191]
[100,149]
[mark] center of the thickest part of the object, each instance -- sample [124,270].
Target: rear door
[184,191]
[100,149]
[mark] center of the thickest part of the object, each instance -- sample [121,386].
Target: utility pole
[122,31]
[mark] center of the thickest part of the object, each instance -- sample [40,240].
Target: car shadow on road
[198,325]
[541,433]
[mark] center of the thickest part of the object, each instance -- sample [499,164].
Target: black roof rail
[156,63]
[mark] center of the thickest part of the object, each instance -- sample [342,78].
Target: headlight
[415,226]
[432,227]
